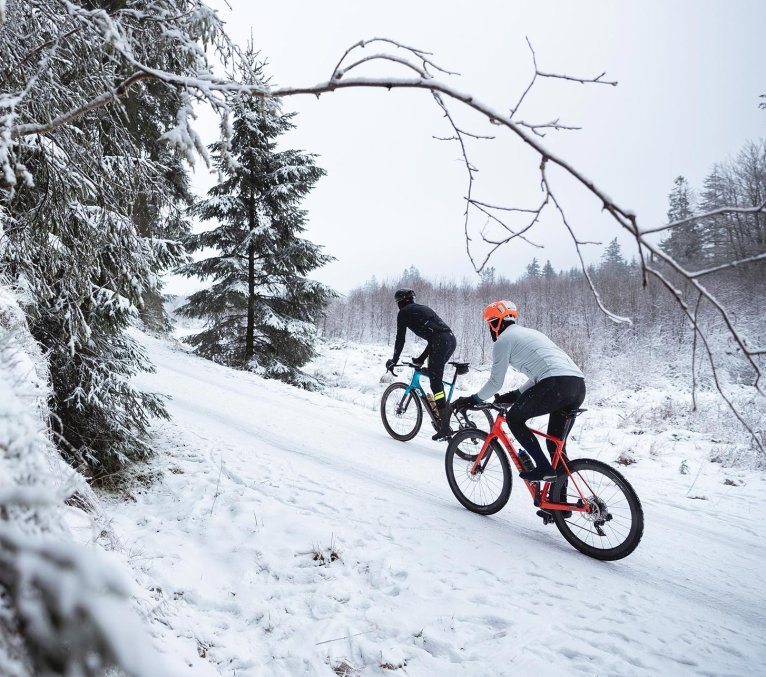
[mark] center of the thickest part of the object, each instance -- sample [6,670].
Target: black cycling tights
[552,396]
[440,349]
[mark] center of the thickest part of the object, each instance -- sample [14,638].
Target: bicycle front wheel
[613,528]
[401,412]
[486,491]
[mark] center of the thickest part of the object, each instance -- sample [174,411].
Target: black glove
[467,402]
[507,398]
[389,364]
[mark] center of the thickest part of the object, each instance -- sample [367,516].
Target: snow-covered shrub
[63,607]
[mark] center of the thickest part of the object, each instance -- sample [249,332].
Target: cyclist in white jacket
[554,385]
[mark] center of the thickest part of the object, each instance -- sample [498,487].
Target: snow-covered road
[257,479]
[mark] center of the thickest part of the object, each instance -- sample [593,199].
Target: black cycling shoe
[442,434]
[443,431]
[539,475]
[546,515]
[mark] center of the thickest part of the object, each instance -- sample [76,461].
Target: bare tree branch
[700,217]
[724,266]
[614,317]
[714,369]
[348,74]
[542,74]
[694,354]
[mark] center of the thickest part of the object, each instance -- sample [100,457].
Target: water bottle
[526,460]
[431,402]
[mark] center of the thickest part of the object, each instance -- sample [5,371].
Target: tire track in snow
[506,573]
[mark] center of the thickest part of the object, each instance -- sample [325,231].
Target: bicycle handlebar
[419,367]
[500,408]
[503,408]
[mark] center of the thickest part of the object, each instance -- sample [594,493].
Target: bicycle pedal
[547,517]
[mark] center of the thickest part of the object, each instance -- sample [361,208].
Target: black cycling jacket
[421,321]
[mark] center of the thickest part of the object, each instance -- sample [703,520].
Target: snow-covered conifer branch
[70,116]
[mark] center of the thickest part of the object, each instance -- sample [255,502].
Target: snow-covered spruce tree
[261,310]
[533,269]
[612,260]
[90,208]
[83,268]
[684,243]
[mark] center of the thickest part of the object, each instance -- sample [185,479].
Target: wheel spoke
[401,412]
[614,525]
[486,490]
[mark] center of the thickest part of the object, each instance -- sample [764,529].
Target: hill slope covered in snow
[284,533]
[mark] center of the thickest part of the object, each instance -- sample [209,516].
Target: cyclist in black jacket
[425,323]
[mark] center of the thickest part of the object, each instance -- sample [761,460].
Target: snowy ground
[257,487]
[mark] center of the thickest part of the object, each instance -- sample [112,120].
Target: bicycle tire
[601,484]
[465,486]
[389,398]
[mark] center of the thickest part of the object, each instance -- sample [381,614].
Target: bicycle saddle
[460,367]
[573,413]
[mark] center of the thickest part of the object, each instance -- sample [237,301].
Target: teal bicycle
[402,405]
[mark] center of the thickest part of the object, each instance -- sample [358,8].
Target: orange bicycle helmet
[495,313]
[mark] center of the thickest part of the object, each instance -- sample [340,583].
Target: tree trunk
[250,330]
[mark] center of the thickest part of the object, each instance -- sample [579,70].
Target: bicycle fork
[408,397]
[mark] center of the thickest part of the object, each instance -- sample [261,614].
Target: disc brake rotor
[598,514]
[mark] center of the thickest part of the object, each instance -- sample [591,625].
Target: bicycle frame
[539,496]
[415,385]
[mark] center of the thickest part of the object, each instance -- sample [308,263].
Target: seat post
[571,415]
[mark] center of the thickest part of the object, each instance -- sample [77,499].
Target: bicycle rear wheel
[616,524]
[401,411]
[481,419]
[486,491]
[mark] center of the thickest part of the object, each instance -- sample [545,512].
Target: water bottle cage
[526,460]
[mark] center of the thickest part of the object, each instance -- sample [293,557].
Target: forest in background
[657,346]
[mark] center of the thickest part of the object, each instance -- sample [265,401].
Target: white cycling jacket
[530,352]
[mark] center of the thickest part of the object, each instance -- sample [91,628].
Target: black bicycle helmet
[404,295]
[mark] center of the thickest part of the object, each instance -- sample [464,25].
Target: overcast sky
[690,73]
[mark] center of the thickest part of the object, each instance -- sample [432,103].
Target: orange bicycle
[594,507]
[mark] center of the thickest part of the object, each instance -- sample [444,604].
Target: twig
[716,212]
[218,484]
[694,355]
[696,477]
[338,639]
